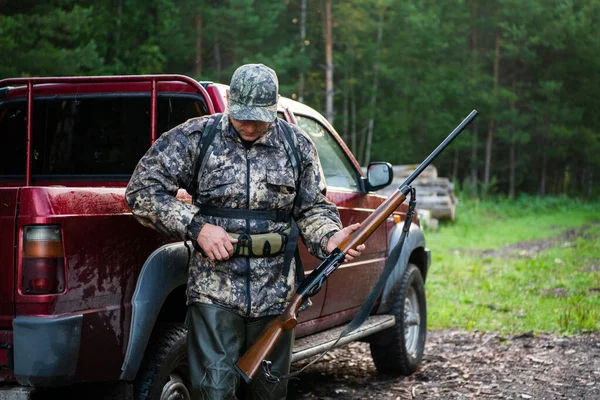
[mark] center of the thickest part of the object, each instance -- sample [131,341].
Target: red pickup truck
[87,294]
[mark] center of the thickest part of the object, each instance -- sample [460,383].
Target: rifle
[248,365]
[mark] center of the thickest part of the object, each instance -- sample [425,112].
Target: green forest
[394,77]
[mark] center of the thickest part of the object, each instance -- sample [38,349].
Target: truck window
[175,109]
[75,137]
[13,136]
[338,170]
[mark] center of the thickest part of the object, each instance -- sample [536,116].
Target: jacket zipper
[248,231]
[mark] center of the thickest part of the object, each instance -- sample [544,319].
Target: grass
[556,290]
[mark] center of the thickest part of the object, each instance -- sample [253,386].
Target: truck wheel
[164,373]
[401,350]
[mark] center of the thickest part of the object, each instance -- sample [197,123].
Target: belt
[240,213]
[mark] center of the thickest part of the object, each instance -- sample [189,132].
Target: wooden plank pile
[434,193]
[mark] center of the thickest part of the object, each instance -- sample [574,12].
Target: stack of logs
[435,195]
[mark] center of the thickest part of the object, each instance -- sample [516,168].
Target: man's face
[250,130]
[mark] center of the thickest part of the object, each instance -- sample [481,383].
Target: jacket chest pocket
[219,182]
[281,187]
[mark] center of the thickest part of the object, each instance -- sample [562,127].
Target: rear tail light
[43,260]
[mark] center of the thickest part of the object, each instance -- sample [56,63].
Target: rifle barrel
[385,209]
[440,148]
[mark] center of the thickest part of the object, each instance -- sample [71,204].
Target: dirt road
[461,365]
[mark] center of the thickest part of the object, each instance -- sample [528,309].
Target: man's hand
[215,242]
[339,236]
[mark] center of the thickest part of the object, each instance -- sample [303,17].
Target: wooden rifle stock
[249,364]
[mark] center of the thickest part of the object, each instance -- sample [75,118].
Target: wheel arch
[159,296]
[413,251]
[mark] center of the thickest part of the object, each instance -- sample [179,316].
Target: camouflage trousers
[216,339]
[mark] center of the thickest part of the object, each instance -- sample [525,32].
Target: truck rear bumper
[46,349]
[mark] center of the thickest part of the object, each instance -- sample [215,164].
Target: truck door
[12,177]
[350,285]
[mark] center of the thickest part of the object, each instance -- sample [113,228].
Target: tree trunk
[346,127]
[590,182]
[198,61]
[455,164]
[302,75]
[362,145]
[512,161]
[565,181]
[513,145]
[328,63]
[492,123]
[353,134]
[474,145]
[544,155]
[218,59]
[112,52]
[543,177]
[374,90]
[474,132]
[119,22]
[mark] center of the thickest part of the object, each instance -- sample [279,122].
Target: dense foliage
[413,68]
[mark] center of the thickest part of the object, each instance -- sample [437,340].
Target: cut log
[405,170]
[434,193]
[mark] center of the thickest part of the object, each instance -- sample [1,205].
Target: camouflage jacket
[261,178]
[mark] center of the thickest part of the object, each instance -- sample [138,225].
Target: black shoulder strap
[203,144]
[291,146]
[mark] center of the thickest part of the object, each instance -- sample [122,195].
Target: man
[249,199]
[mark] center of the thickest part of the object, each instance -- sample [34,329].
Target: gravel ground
[464,365]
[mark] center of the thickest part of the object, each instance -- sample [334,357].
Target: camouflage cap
[253,93]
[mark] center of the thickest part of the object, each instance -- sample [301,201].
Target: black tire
[399,350]
[164,373]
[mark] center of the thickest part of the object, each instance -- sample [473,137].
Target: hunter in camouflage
[247,167]
[262,179]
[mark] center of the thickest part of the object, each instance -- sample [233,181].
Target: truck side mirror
[379,175]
